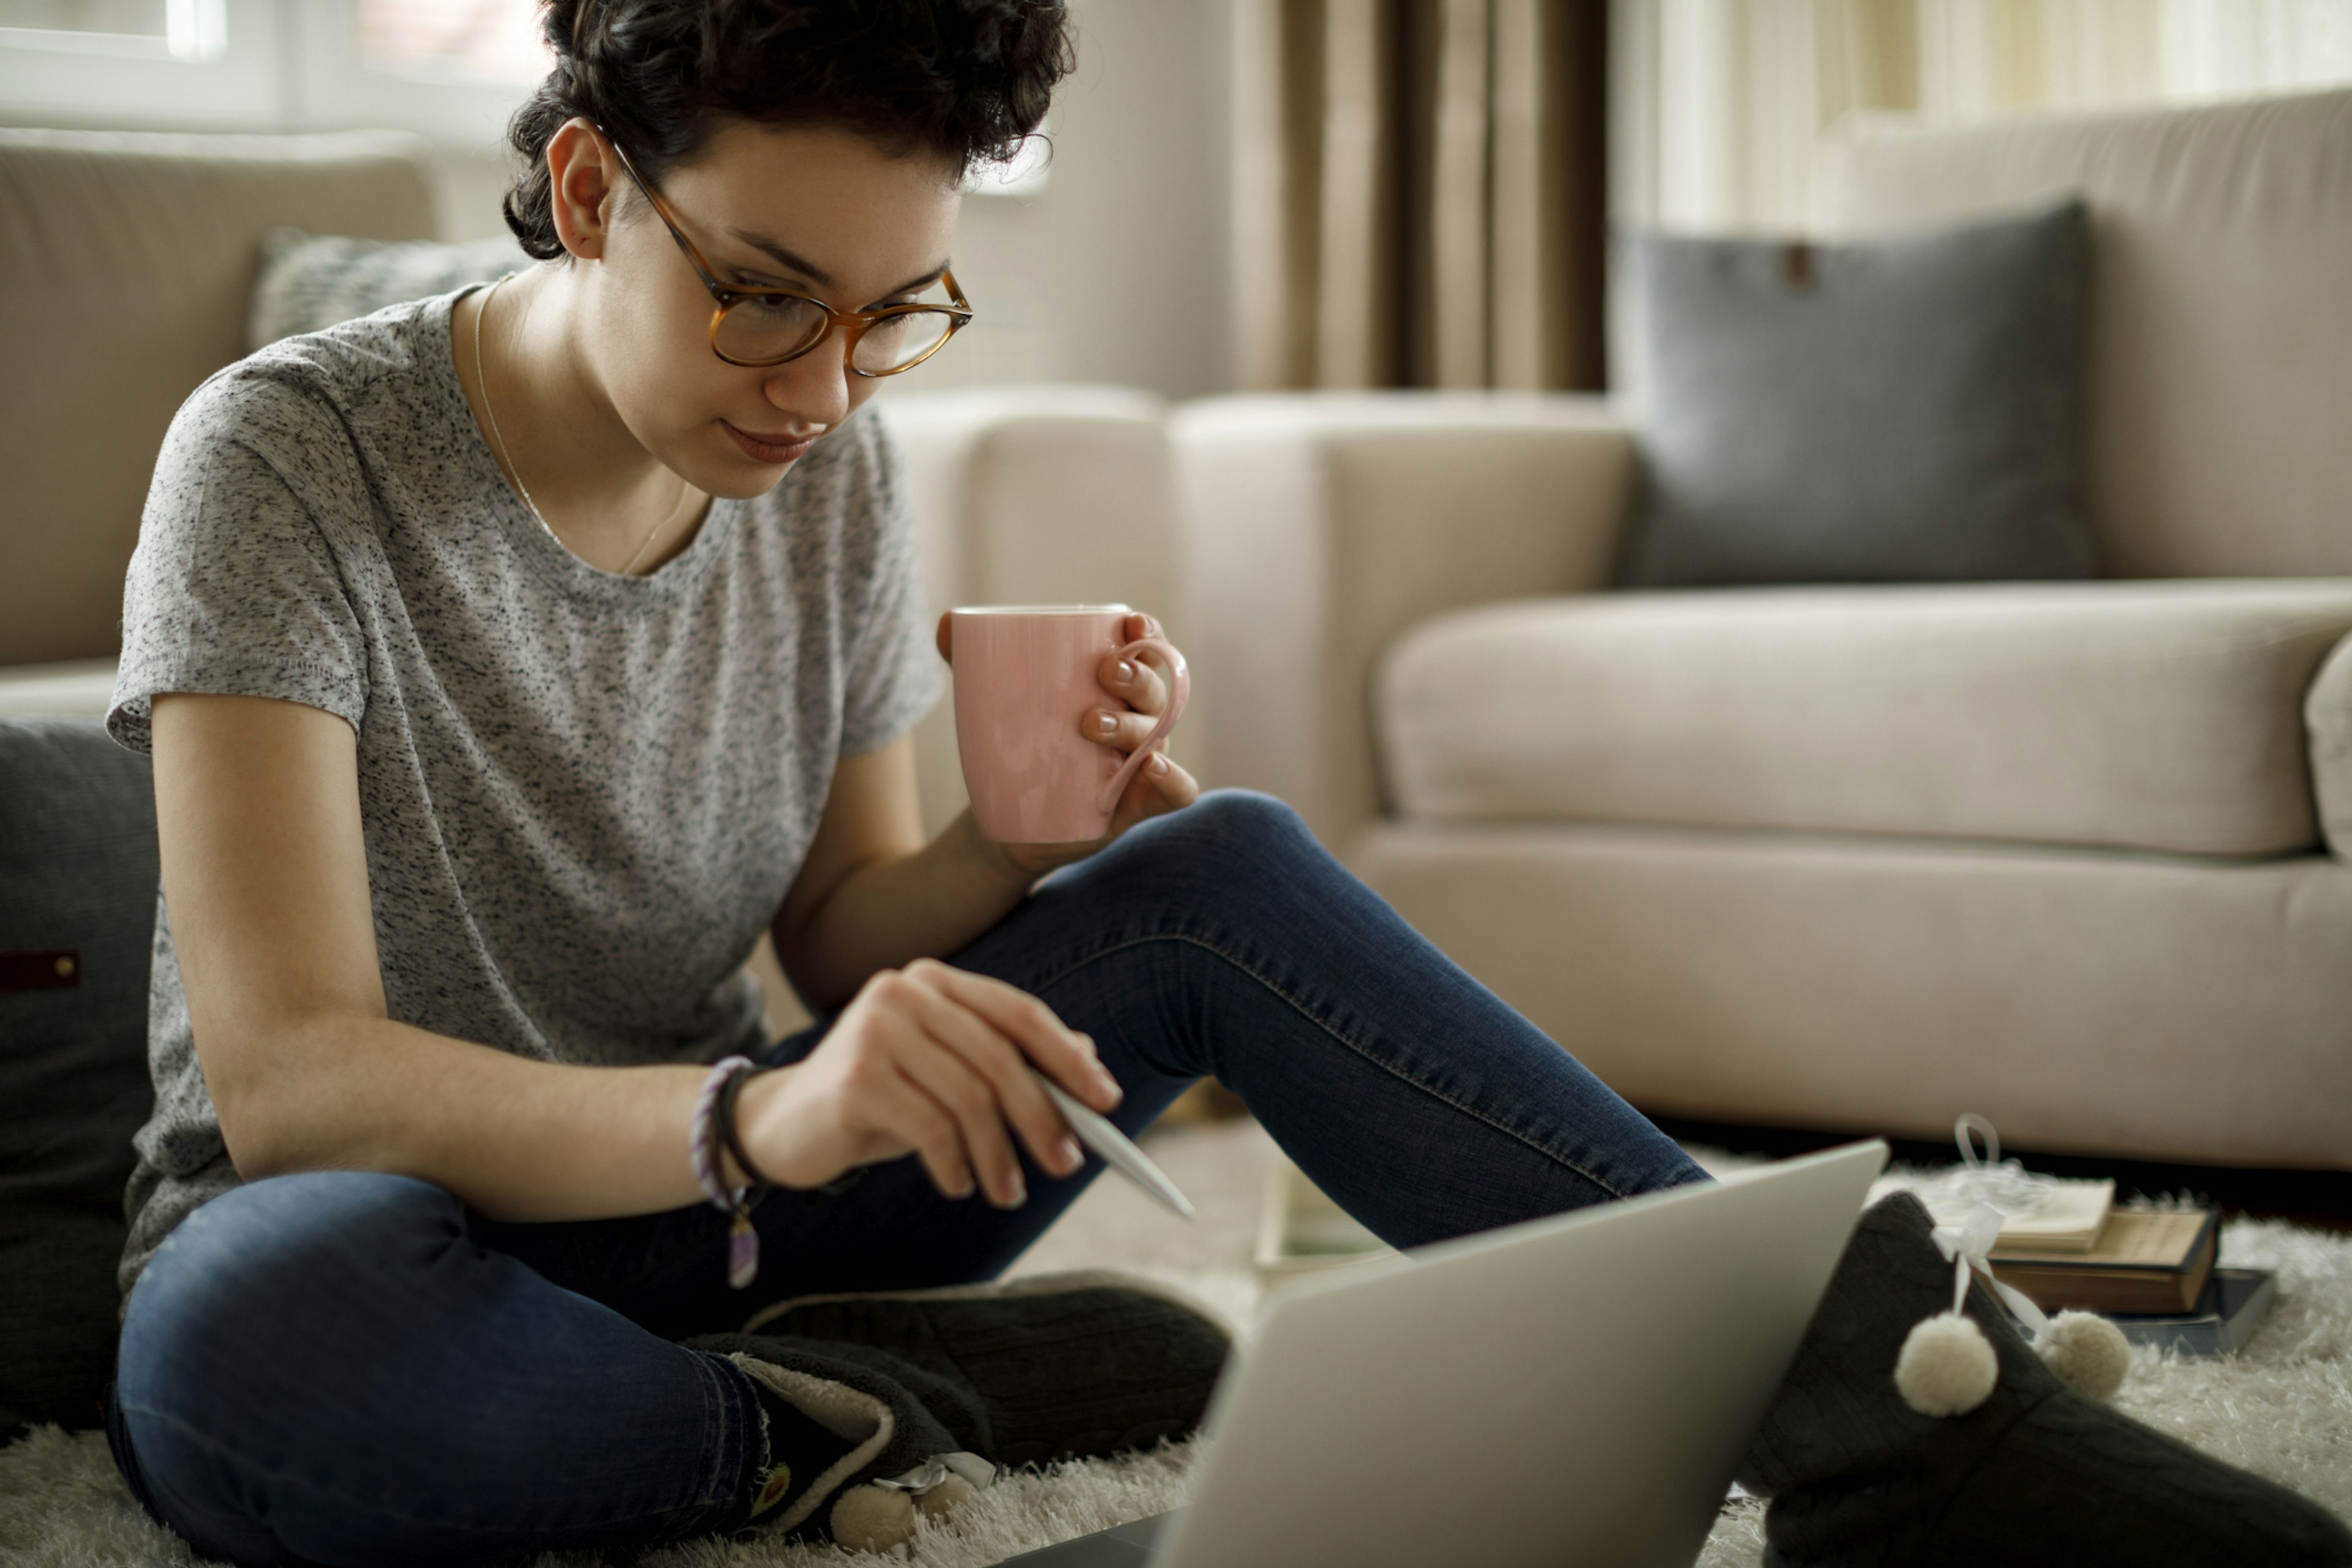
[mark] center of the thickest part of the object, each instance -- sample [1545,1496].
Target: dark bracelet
[724,1114]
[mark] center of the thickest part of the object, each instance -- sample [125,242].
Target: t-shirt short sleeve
[894,676]
[237,588]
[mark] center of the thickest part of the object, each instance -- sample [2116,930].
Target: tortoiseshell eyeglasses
[756,327]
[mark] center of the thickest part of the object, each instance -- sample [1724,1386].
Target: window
[204,63]
[452,69]
[452,40]
[149,29]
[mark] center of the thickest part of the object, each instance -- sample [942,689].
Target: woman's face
[822,212]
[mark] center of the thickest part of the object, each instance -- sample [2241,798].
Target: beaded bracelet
[730,1138]
[705,1136]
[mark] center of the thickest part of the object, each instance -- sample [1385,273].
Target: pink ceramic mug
[1025,676]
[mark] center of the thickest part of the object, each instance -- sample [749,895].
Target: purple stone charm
[742,1251]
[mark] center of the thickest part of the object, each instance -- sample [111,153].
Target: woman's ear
[583,182]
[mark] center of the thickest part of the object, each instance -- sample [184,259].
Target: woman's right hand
[933,1061]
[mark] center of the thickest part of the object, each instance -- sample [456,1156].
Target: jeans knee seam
[1307,1012]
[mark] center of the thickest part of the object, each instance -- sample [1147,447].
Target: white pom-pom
[1947,1367]
[882,1518]
[2089,1353]
[945,1498]
[873,1519]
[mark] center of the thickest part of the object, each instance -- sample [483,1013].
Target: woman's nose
[821,399]
[815,387]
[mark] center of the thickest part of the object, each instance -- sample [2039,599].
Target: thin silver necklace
[481,323]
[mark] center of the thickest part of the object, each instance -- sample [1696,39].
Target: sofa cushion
[78,881]
[1907,409]
[126,271]
[2220,349]
[309,282]
[2152,1006]
[2153,716]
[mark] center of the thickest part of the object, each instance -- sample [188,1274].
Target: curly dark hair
[963,81]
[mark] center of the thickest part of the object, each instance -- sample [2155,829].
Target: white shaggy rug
[2283,1409]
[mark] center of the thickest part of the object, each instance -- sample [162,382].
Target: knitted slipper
[958,1382]
[1934,1464]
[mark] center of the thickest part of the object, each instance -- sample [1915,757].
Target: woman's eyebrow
[925,281]
[813,273]
[818,275]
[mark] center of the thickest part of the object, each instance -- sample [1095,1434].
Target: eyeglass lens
[769,329]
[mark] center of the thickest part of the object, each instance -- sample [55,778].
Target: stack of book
[2221,1322]
[2081,1251]
[2151,1270]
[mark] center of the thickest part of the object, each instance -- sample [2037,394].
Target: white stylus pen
[1116,1149]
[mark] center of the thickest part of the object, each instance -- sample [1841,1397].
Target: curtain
[1717,105]
[1419,192]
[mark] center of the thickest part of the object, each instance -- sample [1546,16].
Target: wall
[1118,270]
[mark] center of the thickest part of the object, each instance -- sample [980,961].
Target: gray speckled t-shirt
[584,795]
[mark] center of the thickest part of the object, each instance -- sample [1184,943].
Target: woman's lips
[768,450]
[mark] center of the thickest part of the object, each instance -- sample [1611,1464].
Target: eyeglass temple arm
[669,220]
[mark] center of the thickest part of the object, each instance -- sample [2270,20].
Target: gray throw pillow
[309,282]
[1907,409]
[78,882]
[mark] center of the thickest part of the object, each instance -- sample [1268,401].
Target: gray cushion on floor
[1899,410]
[78,875]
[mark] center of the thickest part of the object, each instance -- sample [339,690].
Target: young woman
[511,662]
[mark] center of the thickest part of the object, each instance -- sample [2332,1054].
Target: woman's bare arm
[265,876]
[872,895]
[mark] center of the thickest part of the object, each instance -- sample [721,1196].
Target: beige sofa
[2070,856]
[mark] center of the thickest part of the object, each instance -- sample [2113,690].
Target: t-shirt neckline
[549,555]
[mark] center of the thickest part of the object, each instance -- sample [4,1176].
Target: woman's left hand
[1137,696]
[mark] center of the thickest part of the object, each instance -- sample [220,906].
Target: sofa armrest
[1038,494]
[2328,732]
[1318,527]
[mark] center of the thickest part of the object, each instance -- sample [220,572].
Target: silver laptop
[1575,1390]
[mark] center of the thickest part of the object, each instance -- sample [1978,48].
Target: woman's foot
[2036,1474]
[927,1392]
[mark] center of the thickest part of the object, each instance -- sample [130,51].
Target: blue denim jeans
[352,1368]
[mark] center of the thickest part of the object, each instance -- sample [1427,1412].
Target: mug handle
[1180,691]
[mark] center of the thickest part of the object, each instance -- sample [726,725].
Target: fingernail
[1158,763]
[1110,1083]
[1020,1193]
[1071,1156]
[965,1190]
[1125,671]
[1106,725]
